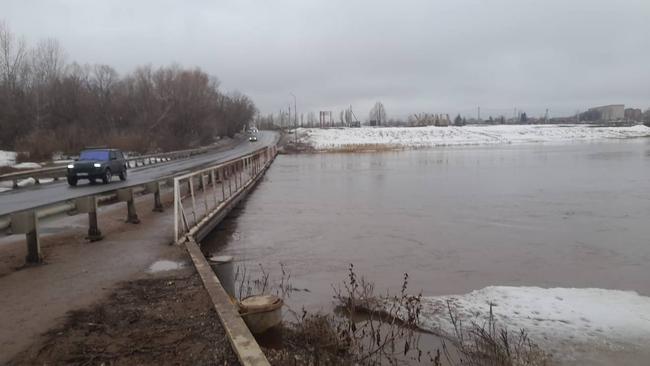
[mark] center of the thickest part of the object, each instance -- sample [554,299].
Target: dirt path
[76,273]
[160,321]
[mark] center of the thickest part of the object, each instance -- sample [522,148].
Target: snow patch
[26,182]
[164,265]
[26,166]
[7,158]
[561,320]
[422,137]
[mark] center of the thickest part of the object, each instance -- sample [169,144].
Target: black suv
[97,164]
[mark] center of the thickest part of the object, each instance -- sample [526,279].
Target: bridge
[200,186]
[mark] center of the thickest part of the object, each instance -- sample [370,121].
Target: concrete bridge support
[154,187]
[126,195]
[89,205]
[26,222]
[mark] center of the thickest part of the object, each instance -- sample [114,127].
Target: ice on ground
[7,158]
[26,182]
[562,320]
[26,166]
[421,137]
[165,265]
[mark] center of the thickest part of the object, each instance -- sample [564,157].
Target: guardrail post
[154,187]
[88,205]
[26,222]
[126,195]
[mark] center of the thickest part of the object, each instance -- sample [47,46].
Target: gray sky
[415,56]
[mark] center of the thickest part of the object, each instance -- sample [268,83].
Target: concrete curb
[241,339]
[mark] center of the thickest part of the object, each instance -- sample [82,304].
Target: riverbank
[395,138]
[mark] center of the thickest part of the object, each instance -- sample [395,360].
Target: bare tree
[378,114]
[47,61]
[12,56]
[47,105]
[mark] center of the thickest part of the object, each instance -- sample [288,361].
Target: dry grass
[490,345]
[371,330]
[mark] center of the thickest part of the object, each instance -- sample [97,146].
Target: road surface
[45,194]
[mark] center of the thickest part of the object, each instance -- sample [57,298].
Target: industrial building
[607,113]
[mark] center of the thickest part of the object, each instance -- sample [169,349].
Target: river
[455,219]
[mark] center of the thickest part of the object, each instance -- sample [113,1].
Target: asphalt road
[45,194]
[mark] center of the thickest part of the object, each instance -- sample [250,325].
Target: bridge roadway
[45,194]
[78,274]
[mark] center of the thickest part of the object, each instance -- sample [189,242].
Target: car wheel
[107,176]
[123,174]
[72,181]
[92,180]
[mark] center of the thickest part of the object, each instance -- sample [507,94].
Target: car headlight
[70,166]
[97,165]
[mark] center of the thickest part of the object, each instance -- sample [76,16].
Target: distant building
[612,112]
[633,114]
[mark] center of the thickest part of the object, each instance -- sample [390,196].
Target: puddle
[165,265]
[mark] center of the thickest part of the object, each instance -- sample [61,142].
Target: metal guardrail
[57,172]
[27,221]
[211,189]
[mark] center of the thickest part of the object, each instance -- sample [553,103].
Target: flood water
[456,219]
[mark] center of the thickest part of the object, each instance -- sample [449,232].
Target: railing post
[190,179]
[229,170]
[205,195]
[126,195]
[177,198]
[26,222]
[88,205]
[223,184]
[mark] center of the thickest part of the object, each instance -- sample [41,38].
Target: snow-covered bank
[565,321]
[422,137]
[8,158]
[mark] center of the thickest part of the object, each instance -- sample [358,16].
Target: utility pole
[478,115]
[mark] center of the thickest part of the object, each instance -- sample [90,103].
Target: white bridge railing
[203,197]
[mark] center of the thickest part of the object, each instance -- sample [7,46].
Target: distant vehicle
[252,138]
[96,164]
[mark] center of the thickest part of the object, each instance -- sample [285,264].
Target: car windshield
[94,155]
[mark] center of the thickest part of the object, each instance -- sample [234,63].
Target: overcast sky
[415,56]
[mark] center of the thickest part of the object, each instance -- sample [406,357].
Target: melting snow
[418,137]
[7,158]
[164,265]
[563,320]
[26,166]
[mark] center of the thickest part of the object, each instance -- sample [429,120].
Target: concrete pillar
[157,204]
[154,187]
[89,205]
[26,222]
[126,195]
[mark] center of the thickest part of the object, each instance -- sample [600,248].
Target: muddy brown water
[456,219]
